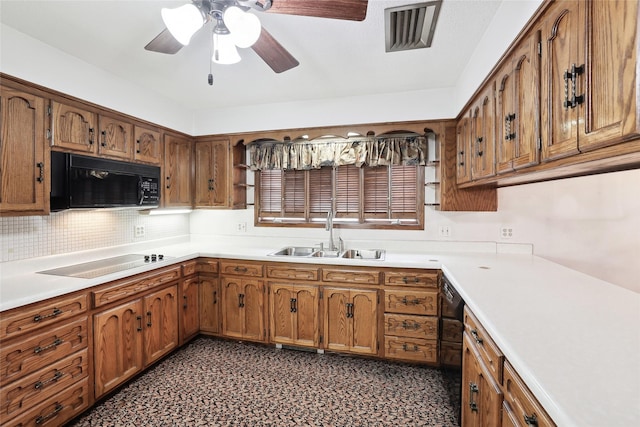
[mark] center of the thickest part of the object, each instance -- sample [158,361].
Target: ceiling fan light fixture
[245,27]
[183,22]
[224,49]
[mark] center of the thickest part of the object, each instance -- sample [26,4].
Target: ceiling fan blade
[164,43]
[273,53]
[352,10]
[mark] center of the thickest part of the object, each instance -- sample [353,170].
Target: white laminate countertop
[574,339]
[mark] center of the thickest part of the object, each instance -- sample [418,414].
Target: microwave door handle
[140,191]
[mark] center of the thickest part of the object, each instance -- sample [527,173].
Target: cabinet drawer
[189,268]
[133,286]
[292,272]
[520,403]
[207,266]
[26,393]
[425,327]
[452,330]
[241,268]
[369,277]
[415,349]
[415,278]
[56,410]
[411,301]
[484,345]
[451,353]
[26,319]
[30,354]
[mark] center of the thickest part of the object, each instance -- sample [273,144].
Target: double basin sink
[311,252]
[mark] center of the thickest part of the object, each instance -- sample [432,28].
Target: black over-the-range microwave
[81,182]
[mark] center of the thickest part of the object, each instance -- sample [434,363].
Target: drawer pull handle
[349,310]
[473,388]
[41,419]
[407,325]
[240,300]
[412,280]
[139,319]
[414,301]
[476,336]
[406,347]
[240,269]
[56,343]
[41,384]
[531,421]
[148,318]
[54,313]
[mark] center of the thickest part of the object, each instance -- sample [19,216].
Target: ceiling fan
[231,18]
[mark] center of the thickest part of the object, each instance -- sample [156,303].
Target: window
[366,197]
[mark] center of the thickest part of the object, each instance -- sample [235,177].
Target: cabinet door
[232,307]
[116,138]
[306,317]
[212,173]
[190,309]
[463,163]
[364,321]
[282,312]
[24,180]
[337,330]
[177,170]
[74,128]
[253,310]
[505,118]
[483,135]
[560,32]
[210,304]
[148,145]
[161,320]
[481,394]
[610,108]
[118,345]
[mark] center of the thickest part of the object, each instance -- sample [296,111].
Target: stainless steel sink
[295,251]
[368,254]
[326,254]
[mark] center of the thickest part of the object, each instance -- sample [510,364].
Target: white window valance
[370,151]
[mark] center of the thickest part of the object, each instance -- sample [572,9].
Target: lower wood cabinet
[351,319]
[210,301]
[243,308]
[294,314]
[132,335]
[189,309]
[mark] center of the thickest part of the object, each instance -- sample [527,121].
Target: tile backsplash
[70,231]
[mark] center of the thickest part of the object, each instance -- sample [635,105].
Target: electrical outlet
[444,231]
[506,232]
[241,227]
[138,231]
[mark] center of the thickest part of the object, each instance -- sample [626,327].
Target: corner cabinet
[589,76]
[177,171]
[24,180]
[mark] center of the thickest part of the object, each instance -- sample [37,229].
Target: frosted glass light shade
[182,22]
[224,50]
[244,27]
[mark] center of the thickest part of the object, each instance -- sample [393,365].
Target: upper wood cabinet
[148,145]
[177,171]
[24,174]
[518,107]
[213,185]
[589,77]
[115,138]
[482,144]
[463,141]
[73,128]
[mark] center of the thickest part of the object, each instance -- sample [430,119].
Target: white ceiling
[337,58]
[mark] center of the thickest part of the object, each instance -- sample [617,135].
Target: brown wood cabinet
[161,316]
[518,107]
[463,141]
[177,171]
[74,128]
[24,175]
[213,186]
[115,137]
[351,320]
[243,308]
[482,144]
[589,76]
[294,314]
[210,295]
[148,145]
[189,309]
[520,408]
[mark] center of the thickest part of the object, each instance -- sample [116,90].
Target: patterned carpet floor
[212,382]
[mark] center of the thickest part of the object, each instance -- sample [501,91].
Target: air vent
[410,27]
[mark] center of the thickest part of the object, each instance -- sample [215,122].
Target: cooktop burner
[90,270]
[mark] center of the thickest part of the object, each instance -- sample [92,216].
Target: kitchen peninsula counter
[574,339]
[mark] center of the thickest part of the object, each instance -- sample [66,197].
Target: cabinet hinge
[321,337]
[321,294]
[378,298]
[49,110]
[539,143]
[377,346]
[539,48]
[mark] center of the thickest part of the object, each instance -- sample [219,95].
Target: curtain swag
[404,150]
